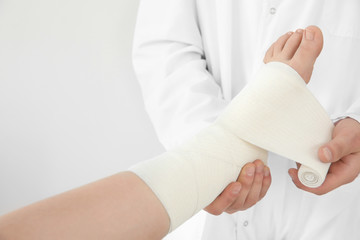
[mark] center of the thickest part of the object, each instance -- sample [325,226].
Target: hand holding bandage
[343,151]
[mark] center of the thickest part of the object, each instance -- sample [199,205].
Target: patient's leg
[184,180]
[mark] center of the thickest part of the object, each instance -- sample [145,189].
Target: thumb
[337,148]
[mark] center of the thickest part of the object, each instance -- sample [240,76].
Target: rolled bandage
[275,112]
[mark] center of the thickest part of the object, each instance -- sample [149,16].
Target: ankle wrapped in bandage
[275,112]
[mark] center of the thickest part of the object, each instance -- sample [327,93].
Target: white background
[71,110]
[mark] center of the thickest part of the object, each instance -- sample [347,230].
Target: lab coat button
[272,11]
[245,223]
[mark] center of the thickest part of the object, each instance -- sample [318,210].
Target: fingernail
[309,35]
[250,171]
[266,171]
[327,154]
[289,33]
[299,31]
[236,189]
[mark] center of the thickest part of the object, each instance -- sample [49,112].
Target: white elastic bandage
[278,113]
[275,112]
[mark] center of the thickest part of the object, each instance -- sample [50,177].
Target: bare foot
[298,49]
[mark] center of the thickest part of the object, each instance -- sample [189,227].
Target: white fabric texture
[192,57]
[276,112]
[191,176]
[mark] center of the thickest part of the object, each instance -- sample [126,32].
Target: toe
[311,45]
[292,44]
[274,51]
[307,52]
[280,43]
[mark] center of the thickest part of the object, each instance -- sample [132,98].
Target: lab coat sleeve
[180,95]
[352,112]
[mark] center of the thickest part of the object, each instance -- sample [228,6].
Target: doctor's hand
[251,186]
[343,151]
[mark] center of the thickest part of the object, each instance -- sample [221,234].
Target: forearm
[121,206]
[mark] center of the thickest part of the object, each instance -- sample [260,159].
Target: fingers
[343,151]
[254,193]
[253,183]
[254,186]
[349,168]
[340,173]
[225,199]
[266,182]
[346,140]
[336,149]
[246,179]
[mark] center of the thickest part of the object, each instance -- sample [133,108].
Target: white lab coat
[193,56]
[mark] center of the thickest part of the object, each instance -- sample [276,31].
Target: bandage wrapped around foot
[275,112]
